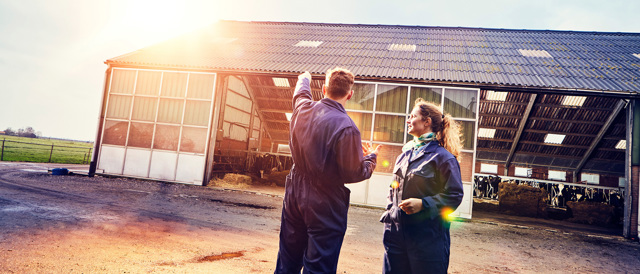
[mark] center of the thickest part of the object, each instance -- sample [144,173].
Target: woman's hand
[411,205]
[367,148]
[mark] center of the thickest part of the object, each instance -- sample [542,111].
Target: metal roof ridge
[435,27]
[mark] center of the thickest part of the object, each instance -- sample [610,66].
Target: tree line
[28,132]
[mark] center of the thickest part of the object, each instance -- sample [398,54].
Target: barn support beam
[631,224]
[596,141]
[523,122]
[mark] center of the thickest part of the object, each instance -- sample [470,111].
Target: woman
[427,187]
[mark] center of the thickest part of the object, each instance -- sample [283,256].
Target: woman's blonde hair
[446,129]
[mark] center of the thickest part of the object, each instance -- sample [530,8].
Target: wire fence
[18,151]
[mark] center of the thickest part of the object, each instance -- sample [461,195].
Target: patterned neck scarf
[418,142]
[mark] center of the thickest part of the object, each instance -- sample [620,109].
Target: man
[327,153]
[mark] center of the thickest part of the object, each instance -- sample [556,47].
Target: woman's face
[416,125]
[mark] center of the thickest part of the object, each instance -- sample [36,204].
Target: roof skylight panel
[535,53]
[486,132]
[576,101]
[496,95]
[402,47]
[281,82]
[636,55]
[554,138]
[309,44]
[622,144]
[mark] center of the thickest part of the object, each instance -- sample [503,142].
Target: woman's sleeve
[452,193]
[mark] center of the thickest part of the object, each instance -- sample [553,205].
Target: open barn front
[253,127]
[553,156]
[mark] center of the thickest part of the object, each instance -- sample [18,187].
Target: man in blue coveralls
[327,153]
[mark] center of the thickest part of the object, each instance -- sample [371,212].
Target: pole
[2,153]
[51,153]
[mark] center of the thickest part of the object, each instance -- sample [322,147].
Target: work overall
[327,153]
[419,243]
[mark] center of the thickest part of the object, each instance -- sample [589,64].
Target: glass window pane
[200,86]
[392,98]
[193,139]
[115,133]
[467,133]
[363,122]
[140,135]
[362,98]
[389,128]
[144,108]
[387,158]
[433,95]
[197,113]
[174,84]
[166,137]
[460,103]
[170,111]
[122,81]
[148,82]
[119,106]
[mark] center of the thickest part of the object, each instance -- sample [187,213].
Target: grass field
[22,149]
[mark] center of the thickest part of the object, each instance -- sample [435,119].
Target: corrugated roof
[579,60]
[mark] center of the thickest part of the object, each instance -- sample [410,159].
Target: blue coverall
[327,153]
[420,242]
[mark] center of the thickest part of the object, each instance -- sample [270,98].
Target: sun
[150,22]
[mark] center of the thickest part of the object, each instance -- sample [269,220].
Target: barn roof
[561,60]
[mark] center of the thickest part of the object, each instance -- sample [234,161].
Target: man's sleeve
[302,93]
[353,166]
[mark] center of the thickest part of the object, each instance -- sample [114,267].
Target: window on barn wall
[380,110]
[391,110]
[488,168]
[165,127]
[590,178]
[557,175]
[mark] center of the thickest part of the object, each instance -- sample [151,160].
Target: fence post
[51,153]
[2,153]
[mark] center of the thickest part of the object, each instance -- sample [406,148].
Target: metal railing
[559,193]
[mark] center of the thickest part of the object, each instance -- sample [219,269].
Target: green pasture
[22,149]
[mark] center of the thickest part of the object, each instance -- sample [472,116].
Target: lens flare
[447,214]
[385,163]
[394,185]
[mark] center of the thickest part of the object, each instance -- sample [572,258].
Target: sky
[52,53]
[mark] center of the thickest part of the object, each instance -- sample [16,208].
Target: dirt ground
[77,224]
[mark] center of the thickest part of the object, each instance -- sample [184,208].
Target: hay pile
[592,213]
[522,200]
[232,180]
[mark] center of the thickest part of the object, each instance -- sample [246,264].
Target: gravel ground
[76,224]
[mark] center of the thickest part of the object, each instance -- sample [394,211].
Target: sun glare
[148,22]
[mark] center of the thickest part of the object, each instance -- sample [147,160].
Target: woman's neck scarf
[418,142]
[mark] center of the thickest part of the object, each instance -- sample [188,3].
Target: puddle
[242,204]
[223,256]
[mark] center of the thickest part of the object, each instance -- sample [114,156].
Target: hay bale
[522,200]
[232,180]
[592,213]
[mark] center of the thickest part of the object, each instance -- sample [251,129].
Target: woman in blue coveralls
[426,187]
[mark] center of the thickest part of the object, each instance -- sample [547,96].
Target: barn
[557,109]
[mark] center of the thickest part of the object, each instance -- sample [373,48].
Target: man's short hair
[338,82]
